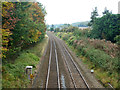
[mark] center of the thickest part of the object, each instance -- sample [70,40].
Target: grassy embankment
[100,55]
[14,73]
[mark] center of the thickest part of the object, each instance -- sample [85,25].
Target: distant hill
[56,25]
[76,24]
[80,24]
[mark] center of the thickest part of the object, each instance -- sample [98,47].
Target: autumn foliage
[22,24]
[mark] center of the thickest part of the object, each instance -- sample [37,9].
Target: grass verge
[13,74]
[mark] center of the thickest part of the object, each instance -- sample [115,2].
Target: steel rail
[57,66]
[74,65]
[77,67]
[48,74]
[75,86]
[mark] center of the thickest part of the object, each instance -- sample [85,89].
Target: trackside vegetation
[13,74]
[23,24]
[101,55]
[98,46]
[23,40]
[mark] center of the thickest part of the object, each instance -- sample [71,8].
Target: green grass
[14,73]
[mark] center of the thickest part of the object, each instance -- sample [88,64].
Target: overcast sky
[70,11]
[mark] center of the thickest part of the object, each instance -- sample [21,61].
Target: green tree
[94,14]
[106,27]
[29,27]
[117,39]
[105,11]
[52,28]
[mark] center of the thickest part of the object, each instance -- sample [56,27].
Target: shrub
[117,38]
[81,33]
[71,40]
[100,58]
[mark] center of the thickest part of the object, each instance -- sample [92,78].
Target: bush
[99,58]
[15,72]
[117,38]
[65,36]
[71,40]
[59,34]
[102,54]
[81,33]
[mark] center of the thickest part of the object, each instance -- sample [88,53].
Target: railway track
[75,74]
[59,69]
[53,80]
[83,79]
[53,76]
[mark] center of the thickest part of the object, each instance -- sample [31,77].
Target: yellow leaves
[4,49]
[4,13]
[35,34]
[0,55]
[6,32]
[3,56]
[39,33]
[35,15]
[18,0]
[22,24]
[31,32]
[5,42]
[5,7]
[5,35]
[6,25]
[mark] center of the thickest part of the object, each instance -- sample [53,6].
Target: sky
[70,11]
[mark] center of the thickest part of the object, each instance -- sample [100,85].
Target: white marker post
[28,71]
[92,71]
